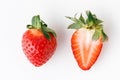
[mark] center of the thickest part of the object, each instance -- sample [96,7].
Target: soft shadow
[109,29]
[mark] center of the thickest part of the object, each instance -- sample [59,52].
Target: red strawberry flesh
[85,50]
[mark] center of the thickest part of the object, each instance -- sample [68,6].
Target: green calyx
[91,23]
[37,23]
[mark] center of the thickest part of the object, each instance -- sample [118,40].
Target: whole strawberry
[87,40]
[38,42]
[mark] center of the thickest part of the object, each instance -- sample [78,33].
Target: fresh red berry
[87,40]
[39,42]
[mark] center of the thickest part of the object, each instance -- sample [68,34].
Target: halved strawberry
[87,40]
[39,42]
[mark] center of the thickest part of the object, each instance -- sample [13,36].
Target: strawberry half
[39,42]
[87,40]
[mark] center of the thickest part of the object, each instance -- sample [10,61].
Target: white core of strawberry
[88,43]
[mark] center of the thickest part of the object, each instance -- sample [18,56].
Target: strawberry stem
[36,22]
[92,22]
[39,24]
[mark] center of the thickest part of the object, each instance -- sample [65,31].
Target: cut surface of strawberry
[87,40]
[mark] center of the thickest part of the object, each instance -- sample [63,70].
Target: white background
[16,14]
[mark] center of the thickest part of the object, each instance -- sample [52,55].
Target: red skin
[37,47]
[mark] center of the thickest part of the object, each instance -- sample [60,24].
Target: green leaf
[72,18]
[104,36]
[96,35]
[48,30]
[92,19]
[82,19]
[77,23]
[89,22]
[43,23]
[30,26]
[36,22]
[74,26]
[97,21]
[46,34]
[99,27]
[94,15]
[90,16]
